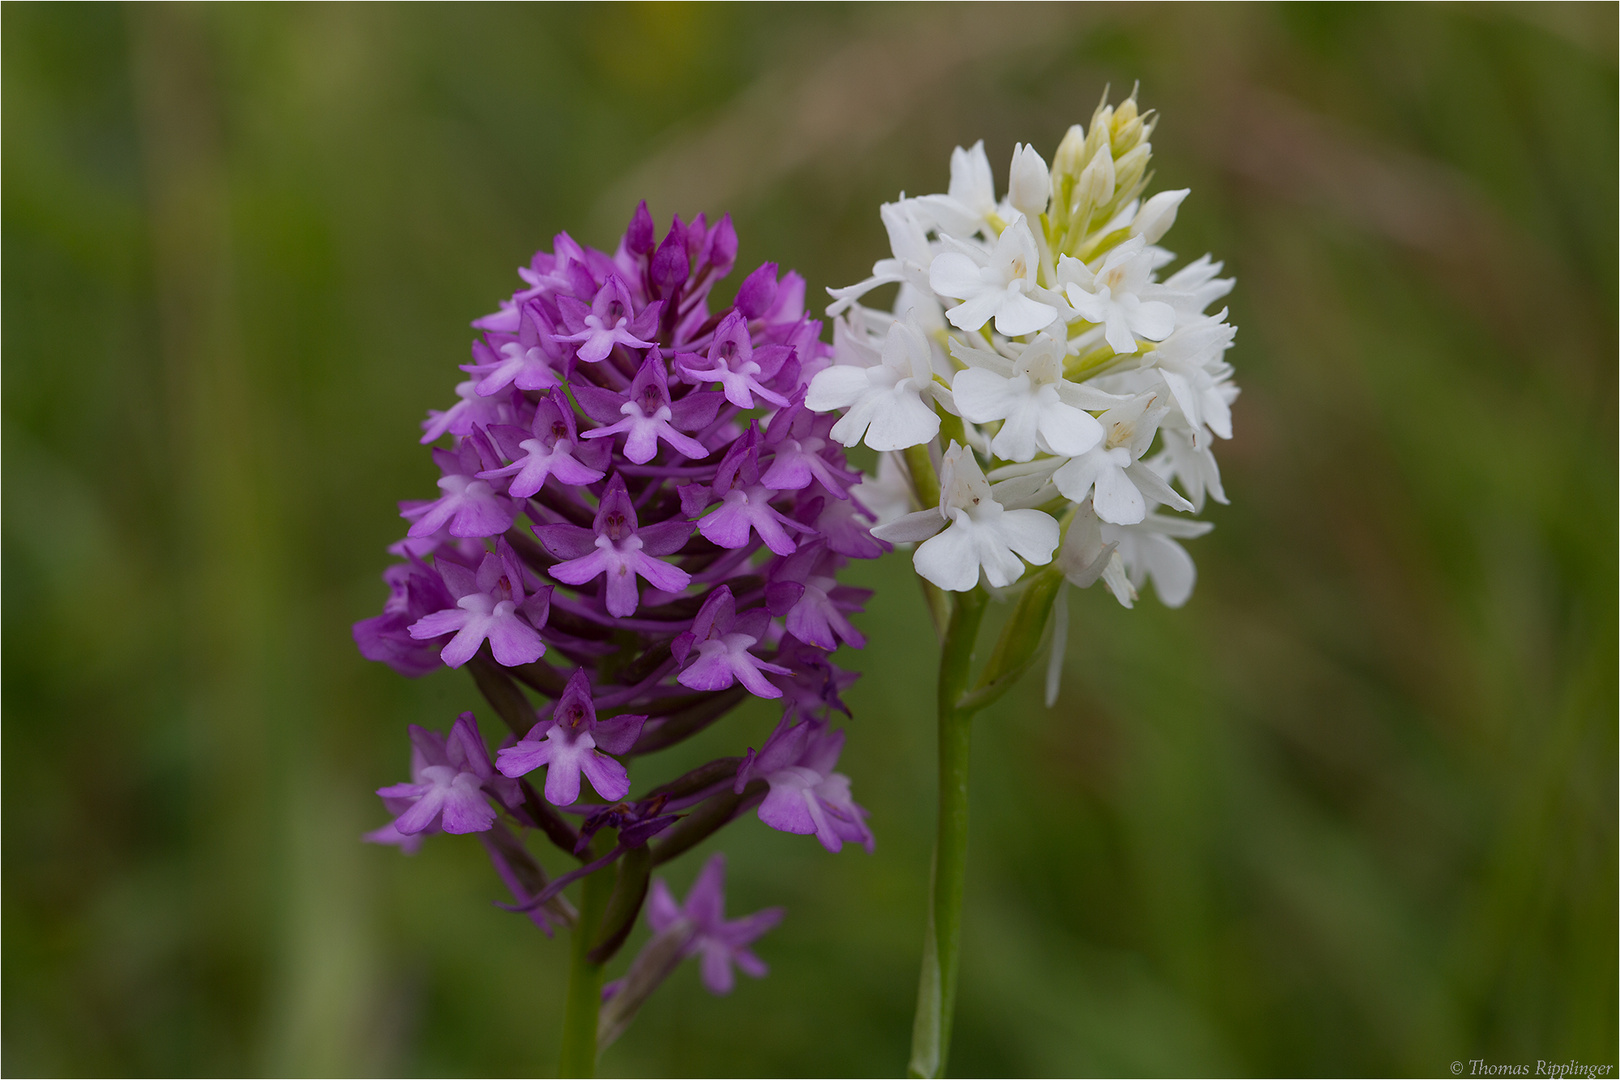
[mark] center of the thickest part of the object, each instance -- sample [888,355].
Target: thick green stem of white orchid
[936,988]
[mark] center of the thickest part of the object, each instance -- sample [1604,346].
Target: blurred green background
[1350,812]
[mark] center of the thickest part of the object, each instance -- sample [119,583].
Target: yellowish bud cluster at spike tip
[1065,377]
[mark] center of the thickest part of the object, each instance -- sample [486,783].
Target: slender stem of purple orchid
[584,981]
[936,986]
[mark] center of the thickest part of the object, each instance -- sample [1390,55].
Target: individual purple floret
[638,527]
[469,506]
[616,546]
[550,446]
[806,795]
[448,781]
[526,363]
[573,742]
[720,943]
[414,590]
[490,605]
[647,414]
[607,321]
[718,645]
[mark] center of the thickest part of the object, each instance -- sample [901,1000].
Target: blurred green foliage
[1351,812]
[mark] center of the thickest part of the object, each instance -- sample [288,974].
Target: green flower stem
[936,988]
[584,981]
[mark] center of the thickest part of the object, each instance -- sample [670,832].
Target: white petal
[1068,431]
[901,419]
[1030,533]
[1119,335]
[837,387]
[1075,479]
[1154,320]
[983,396]
[954,274]
[1060,645]
[918,525]
[1172,570]
[1152,485]
[1018,315]
[971,182]
[1016,439]
[972,314]
[1117,499]
[1158,214]
[950,560]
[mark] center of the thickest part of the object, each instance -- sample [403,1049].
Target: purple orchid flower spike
[525,363]
[722,944]
[647,414]
[609,320]
[618,547]
[414,590]
[718,645]
[470,507]
[490,604]
[745,502]
[806,796]
[804,588]
[573,742]
[449,781]
[694,550]
[550,446]
[733,361]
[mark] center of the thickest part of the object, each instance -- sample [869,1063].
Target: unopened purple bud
[758,292]
[696,233]
[670,263]
[641,236]
[721,247]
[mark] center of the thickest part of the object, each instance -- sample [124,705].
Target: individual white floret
[1191,289]
[889,394]
[1148,549]
[1185,456]
[1112,296]
[1156,216]
[1039,409]
[1029,182]
[1122,484]
[994,284]
[978,532]
[1191,365]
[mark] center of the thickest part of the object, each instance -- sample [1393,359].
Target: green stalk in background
[959,699]
[584,982]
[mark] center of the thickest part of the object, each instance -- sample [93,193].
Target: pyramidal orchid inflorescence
[1045,395]
[641,524]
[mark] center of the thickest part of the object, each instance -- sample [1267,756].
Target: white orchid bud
[1097,133]
[1029,185]
[1069,159]
[1096,184]
[1128,169]
[1157,215]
